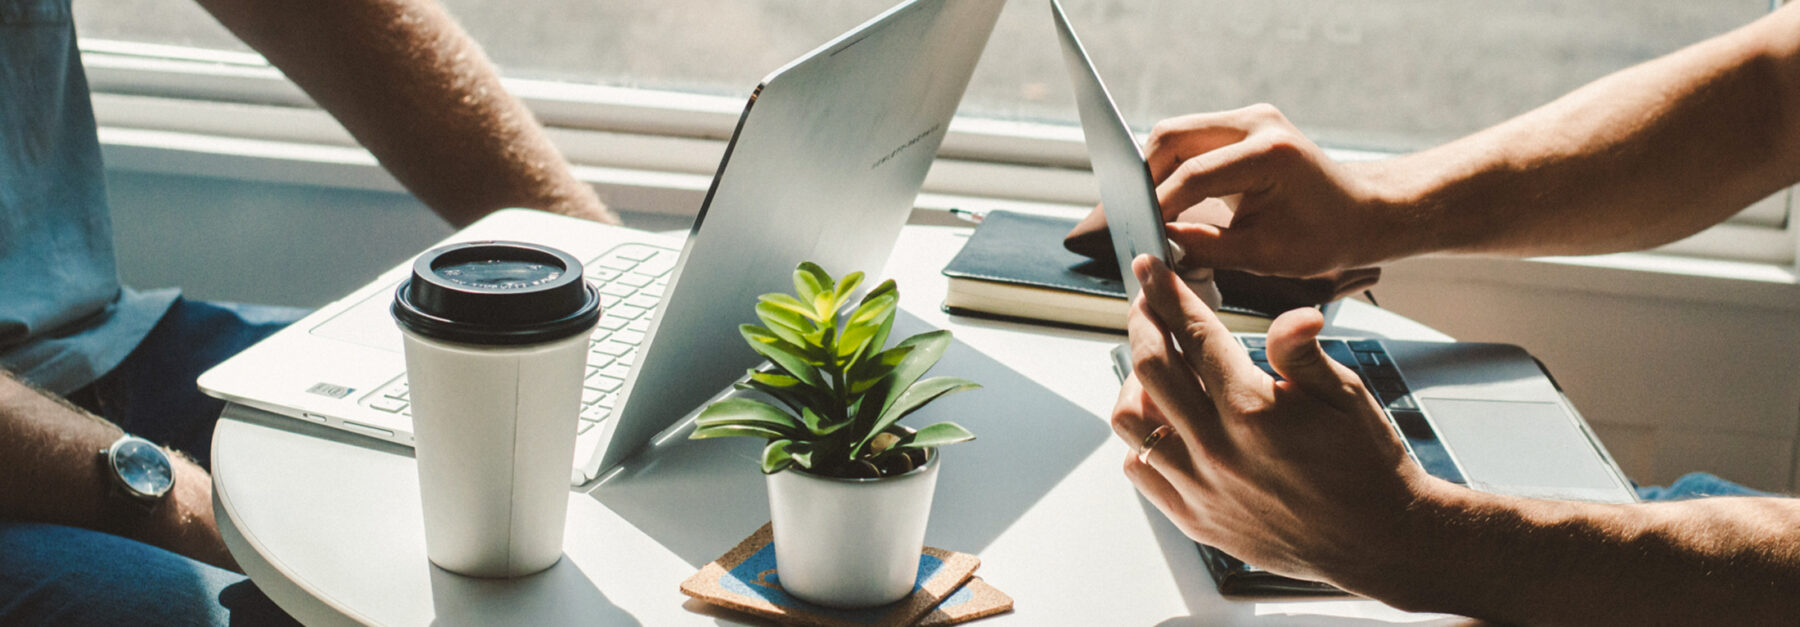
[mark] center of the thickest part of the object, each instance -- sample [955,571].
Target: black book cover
[1234,577]
[1026,249]
[1015,267]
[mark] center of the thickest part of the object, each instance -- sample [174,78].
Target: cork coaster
[975,599]
[745,579]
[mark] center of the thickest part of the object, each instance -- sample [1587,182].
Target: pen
[972,217]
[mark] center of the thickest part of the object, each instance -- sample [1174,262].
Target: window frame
[193,111]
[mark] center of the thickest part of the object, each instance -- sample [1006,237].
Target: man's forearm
[1637,159]
[1523,561]
[420,95]
[51,473]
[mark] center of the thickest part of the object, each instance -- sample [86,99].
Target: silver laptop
[1484,415]
[825,164]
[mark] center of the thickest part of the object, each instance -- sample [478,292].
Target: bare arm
[1637,159]
[408,84]
[1305,477]
[52,473]
[420,95]
[1643,157]
[1522,561]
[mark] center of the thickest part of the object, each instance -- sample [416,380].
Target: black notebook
[1234,577]
[1015,267]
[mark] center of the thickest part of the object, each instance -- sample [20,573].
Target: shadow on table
[699,498]
[562,595]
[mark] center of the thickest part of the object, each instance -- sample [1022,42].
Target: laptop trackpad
[368,323]
[1524,449]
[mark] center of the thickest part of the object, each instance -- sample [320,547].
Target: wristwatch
[138,471]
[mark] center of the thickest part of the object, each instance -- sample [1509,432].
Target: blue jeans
[56,575]
[1696,485]
[51,574]
[152,394]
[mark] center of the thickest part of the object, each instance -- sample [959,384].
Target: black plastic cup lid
[496,293]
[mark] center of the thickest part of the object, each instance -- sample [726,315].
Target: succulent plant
[837,390]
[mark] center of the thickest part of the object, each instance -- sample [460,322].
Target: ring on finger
[1150,441]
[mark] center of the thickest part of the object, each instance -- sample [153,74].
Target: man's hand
[1301,477]
[1305,478]
[1295,212]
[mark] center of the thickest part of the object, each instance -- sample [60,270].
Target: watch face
[143,467]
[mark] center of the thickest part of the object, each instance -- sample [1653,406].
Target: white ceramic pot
[850,543]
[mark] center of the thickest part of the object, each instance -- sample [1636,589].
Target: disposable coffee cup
[496,337]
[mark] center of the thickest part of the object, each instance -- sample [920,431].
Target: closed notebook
[1235,578]
[1015,267]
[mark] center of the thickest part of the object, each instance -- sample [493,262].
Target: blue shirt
[64,318]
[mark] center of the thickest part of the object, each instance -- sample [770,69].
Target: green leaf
[779,454]
[789,358]
[812,420]
[772,379]
[750,413]
[885,287]
[784,396]
[790,326]
[925,350]
[819,425]
[732,431]
[916,396]
[810,280]
[936,435]
[869,372]
[872,311]
[863,377]
[795,394]
[887,326]
[803,454]
[845,288]
[826,306]
[864,324]
[790,303]
[776,457]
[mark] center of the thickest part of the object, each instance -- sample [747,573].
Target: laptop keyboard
[631,279]
[1371,362]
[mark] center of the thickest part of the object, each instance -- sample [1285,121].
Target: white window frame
[178,110]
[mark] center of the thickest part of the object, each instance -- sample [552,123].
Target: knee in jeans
[51,574]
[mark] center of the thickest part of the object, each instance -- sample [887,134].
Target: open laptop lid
[824,166]
[1133,216]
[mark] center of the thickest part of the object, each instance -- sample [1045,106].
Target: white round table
[328,524]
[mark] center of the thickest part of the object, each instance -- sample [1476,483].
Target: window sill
[953,183]
[1650,275]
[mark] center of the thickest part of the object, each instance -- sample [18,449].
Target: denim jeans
[152,394]
[1696,485]
[56,575]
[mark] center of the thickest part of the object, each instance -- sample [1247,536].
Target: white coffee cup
[496,342]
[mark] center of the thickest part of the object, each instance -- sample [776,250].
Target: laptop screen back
[1126,189]
[825,164]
